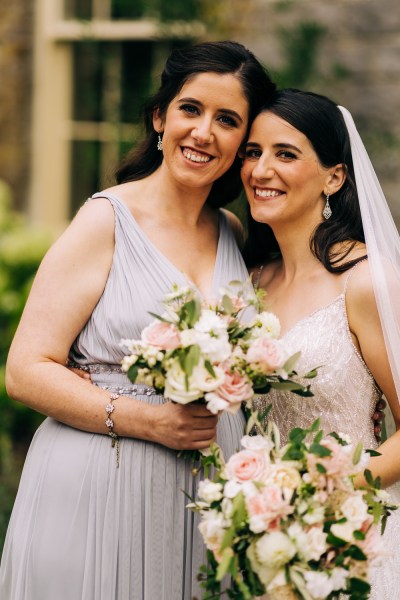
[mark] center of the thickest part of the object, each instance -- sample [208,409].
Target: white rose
[188,337]
[314,514]
[339,578]
[210,491]
[175,386]
[275,549]
[355,510]
[212,529]
[318,584]
[265,572]
[211,323]
[256,442]
[344,531]
[232,488]
[202,379]
[215,403]
[216,349]
[285,476]
[314,544]
[200,382]
[266,324]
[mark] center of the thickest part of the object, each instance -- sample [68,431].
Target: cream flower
[210,491]
[274,549]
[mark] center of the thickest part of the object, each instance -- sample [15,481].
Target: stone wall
[363,39]
[16,25]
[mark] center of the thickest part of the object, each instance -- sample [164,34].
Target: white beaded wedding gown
[345,395]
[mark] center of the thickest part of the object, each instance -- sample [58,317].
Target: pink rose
[161,335]
[267,354]
[267,508]
[248,465]
[236,387]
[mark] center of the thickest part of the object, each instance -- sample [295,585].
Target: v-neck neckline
[162,256]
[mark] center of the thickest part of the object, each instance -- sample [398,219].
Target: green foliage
[21,250]
[300,49]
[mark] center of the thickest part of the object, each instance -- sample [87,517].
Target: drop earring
[327,212]
[159,142]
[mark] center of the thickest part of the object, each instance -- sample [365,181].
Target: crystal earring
[159,142]
[327,212]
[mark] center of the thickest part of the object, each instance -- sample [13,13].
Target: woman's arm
[366,327]
[66,289]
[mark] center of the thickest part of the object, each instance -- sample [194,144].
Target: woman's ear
[158,121]
[336,178]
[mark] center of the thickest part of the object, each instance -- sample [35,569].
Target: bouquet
[288,521]
[204,352]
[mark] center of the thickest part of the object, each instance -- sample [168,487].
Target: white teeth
[196,157]
[267,193]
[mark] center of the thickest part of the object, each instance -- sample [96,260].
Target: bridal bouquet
[199,352]
[195,351]
[288,521]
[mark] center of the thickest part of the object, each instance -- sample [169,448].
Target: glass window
[78,9]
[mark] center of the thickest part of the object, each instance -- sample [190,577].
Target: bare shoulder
[360,295]
[94,223]
[236,226]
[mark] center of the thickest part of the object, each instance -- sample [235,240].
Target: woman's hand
[378,417]
[81,373]
[184,427]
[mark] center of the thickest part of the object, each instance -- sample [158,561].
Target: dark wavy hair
[321,121]
[183,64]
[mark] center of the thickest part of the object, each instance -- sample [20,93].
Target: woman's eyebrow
[228,111]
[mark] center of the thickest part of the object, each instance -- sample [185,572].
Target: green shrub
[21,250]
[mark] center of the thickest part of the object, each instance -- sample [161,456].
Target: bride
[324,248]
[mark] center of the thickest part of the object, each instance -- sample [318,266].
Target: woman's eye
[251,154]
[189,109]
[286,154]
[227,120]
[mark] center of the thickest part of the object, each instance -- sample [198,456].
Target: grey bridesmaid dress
[81,529]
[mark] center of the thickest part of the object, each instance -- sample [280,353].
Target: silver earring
[159,142]
[327,212]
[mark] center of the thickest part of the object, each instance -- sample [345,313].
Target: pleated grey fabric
[81,529]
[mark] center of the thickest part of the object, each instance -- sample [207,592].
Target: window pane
[168,10]
[85,172]
[78,9]
[137,58]
[129,9]
[88,81]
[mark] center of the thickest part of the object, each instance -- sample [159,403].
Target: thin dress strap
[349,274]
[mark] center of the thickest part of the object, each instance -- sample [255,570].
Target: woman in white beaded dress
[324,248]
[92,522]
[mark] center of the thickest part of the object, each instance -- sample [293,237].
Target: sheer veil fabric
[383,246]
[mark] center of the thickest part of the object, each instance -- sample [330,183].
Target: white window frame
[52,127]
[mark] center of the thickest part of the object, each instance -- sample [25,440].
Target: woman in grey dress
[330,264]
[81,528]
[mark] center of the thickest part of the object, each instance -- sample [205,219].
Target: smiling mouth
[267,193]
[196,157]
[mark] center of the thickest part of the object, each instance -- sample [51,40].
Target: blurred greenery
[21,249]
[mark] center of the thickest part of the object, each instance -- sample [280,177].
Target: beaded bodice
[345,393]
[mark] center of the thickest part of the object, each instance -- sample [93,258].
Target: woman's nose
[202,133]
[263,168]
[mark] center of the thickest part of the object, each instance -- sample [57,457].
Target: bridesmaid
[81,527]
